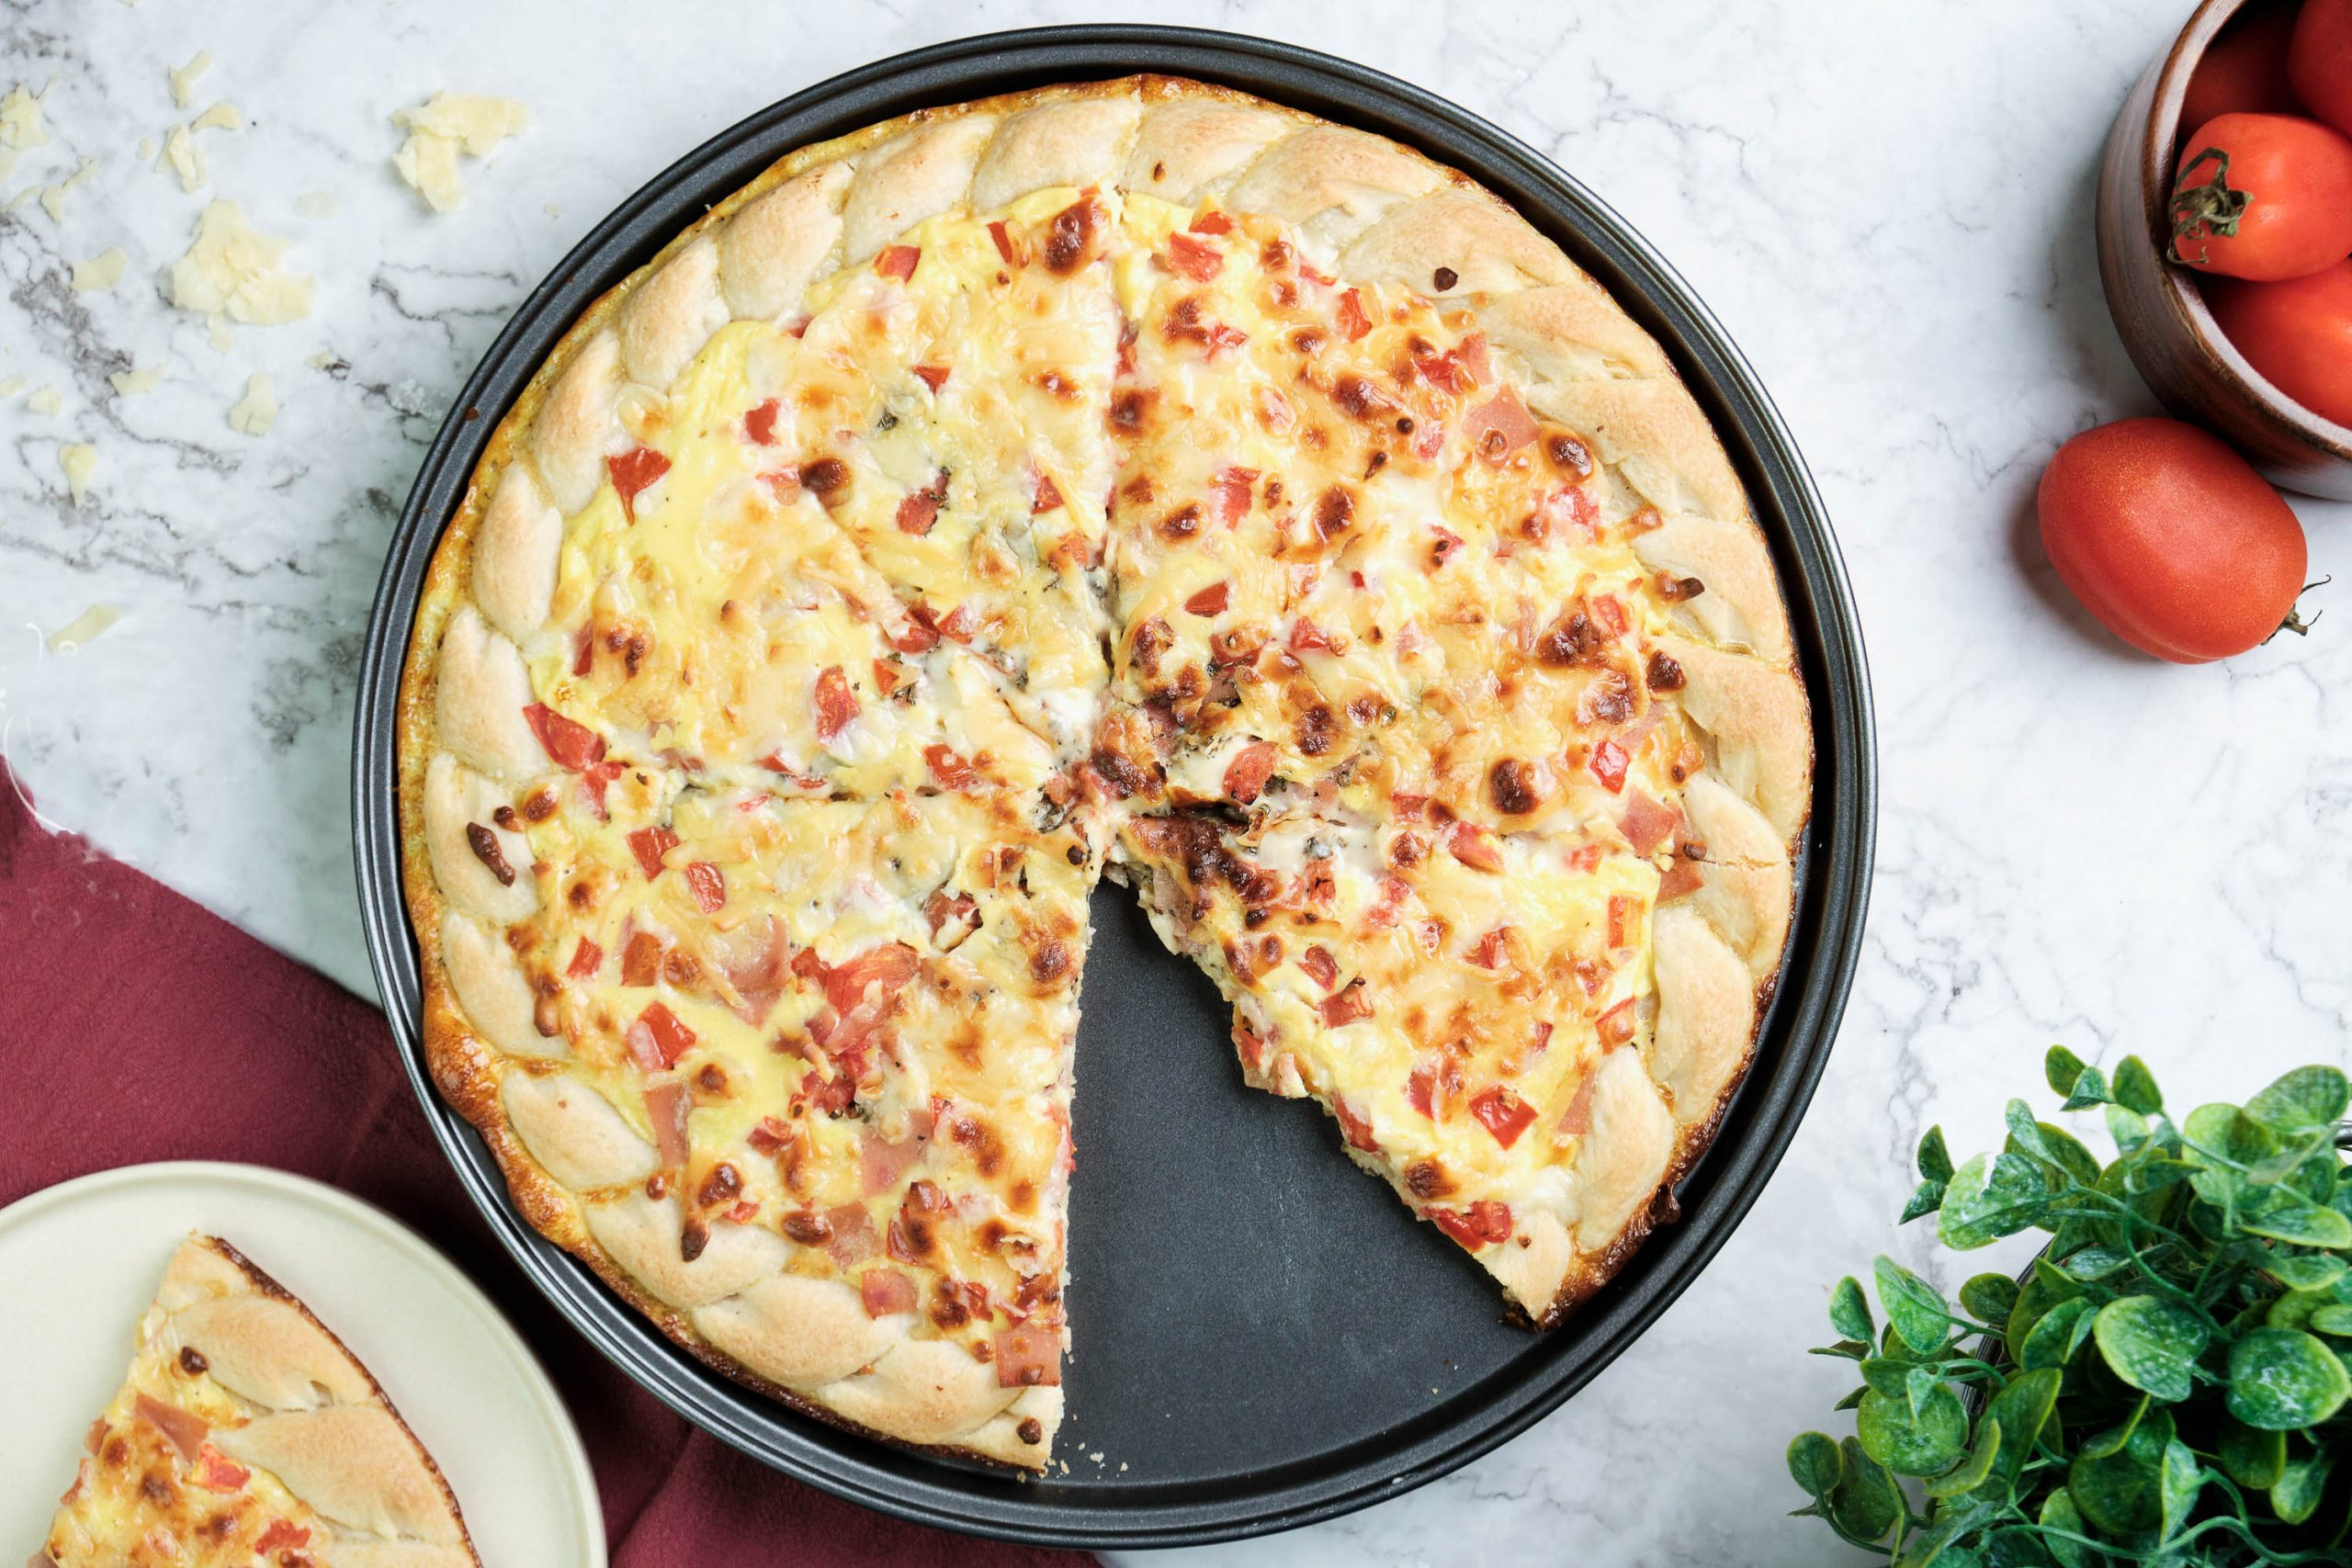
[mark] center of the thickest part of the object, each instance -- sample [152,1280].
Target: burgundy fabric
[219,1048]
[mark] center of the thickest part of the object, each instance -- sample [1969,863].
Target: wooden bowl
[2160,314]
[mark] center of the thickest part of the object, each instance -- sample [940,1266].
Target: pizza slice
[808,1079]
[1525,1034]
[246,1431]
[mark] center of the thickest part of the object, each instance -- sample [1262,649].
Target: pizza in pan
[1134,478]
[244,1433]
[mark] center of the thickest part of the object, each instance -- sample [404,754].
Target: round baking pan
[1263,1336]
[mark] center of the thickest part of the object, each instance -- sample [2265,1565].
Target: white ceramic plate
[79,1262]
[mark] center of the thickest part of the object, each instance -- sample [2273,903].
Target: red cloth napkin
[220,1048]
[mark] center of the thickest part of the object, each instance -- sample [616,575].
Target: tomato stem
[2294,621]
[2211,205]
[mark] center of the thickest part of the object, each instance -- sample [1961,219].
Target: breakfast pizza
[246,1433]
[1131,479]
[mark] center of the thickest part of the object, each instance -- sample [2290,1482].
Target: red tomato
[2297,333]
[2171,539]
[2244,69]
[2318,62]
[2262,196]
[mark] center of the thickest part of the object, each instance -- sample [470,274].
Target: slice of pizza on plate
[246,1431]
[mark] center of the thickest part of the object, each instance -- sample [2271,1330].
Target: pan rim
[1826,934]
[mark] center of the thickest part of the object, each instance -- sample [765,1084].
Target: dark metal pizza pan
[1263,1336]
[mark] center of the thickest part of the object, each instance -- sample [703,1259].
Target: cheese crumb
[184,79]
[20,128]
[323,359]
[86,627]
[223,116]
[132,382]
[257,411]
[551,209]
[315,204]
[232,270]
[45,402]
[11,386]
[52,200]
[22,196]
[185,156]
[100,273]
[441,129]
[215,332]
[147,146]
[80,462]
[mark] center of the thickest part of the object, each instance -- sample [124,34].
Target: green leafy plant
[2167,1383]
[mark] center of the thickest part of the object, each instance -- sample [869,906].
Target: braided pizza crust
[1363,208]
[313,1418]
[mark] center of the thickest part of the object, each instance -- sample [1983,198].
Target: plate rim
[1834,885]
[349,1208]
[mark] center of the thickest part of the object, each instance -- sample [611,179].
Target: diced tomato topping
[642,960]
[920,510]
[1308,273]
[1306,635]
[1420,1088]
[649,845]
[1003,239]
[1499,426]
[1223,336]
[282,1533]
[1646,823]
[897,261]
[1353,321]
[1028,1356]
[1320,966]
[1231,487]
[1408,807]
[890,965]
[1611,615]
[708,886]
[960,623]
[1249,1045]
[583,650]
[933,376]
[1390,898]
[1608,763]
[952,771]
[669,1038]
[1211,223]
[1195,259]
[1488,954]
[1483,1223]
[1615,1027]
[216,1472]
[1247,773]
[1503,1114]
[1347,1005]
[1680,879]
[586,959]
[633,472]
[889,675]
[919,635]
[772,1136]
[1473,847]
[1354,1127]
[569,745]
[836,706]
[1586,857]
[1624,914]
[1045,496]
[759,425]
[1210,601]
[884,1292]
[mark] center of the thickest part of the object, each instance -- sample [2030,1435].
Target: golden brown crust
[1370,209]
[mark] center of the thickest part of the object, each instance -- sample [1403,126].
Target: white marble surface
[1888,208]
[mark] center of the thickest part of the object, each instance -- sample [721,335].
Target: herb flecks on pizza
[1133,477]
[245,1432]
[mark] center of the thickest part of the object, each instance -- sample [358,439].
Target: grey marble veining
[1887,207]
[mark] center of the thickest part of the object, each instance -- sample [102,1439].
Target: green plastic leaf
[2155,1173]
[2094,1262]
[2301,1484]
[2060,1067]
[1926,1444]
[1969,1476]
[1849,1311]
[1915,1309]
[1868,1501]
[2023,1408]
[2067,1150]
[2284,1214]
[1926,1198]
[2057,1336]
[1935,1160]
[2335,1320]
[2253,1459]
[2151,1344]
[1990,1197]
[2308,1100]
[1849,1349]
[2059,1513]
[2180,1478]
[2296,1308]
[2135,1086]
[2282,1378]
[1989,1297]
[1814,1464]
[1852,1400]
[2308,1271]
[2128,1128]
[1888,1376]
[2120,1487]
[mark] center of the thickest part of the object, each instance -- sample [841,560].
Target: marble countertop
[1886,206]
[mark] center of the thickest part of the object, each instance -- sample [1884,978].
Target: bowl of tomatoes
[2225,219]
